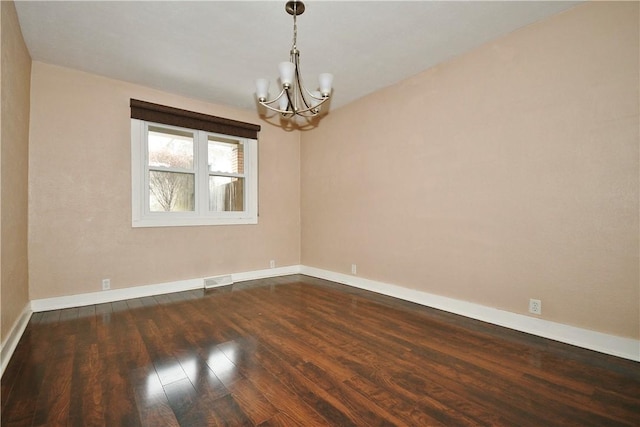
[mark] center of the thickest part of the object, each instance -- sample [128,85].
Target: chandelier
[294,99]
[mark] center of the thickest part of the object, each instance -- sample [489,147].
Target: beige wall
[508,173]
[80,182]
[15,76]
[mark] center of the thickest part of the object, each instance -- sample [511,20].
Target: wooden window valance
[156,113]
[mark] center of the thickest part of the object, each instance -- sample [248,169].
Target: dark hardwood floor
[299,351]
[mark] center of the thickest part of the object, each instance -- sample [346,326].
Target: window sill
[186,222]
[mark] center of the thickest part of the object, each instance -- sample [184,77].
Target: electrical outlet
[535,306]
[272,264]
[354,269]
[106,284]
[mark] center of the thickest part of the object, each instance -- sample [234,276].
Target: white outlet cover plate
[535,306]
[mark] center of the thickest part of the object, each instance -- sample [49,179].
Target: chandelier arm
[298,112]
[291,105]
[285,113]
[315,108]
[309,93]
[271,101]
[277,110]
[301,88]
[266,103]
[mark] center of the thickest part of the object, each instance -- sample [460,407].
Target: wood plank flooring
[299,351]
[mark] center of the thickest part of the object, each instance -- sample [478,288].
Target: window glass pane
[226,194]
[226,155]
[171,191]
[170,148]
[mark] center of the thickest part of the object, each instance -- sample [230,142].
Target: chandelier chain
[295,32]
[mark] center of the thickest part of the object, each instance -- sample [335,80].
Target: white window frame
[141,213]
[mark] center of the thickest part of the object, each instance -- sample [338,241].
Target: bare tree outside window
[171,180]
[171,191]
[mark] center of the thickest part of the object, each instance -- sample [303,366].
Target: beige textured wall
[80,183]
[508,173]
[16,72]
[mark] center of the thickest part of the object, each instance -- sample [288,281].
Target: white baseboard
[79,300]
[101,297]
[604,343]
[15,333]
[266,273]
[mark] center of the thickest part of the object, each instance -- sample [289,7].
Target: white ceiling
[214,50]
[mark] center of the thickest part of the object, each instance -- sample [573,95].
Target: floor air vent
[213,282]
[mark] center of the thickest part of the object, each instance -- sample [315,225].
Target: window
[184,176]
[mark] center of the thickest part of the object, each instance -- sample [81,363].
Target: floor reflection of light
[219,363]
[222,363]
[190,367]
[168,373]
[230,350]
[154,386]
